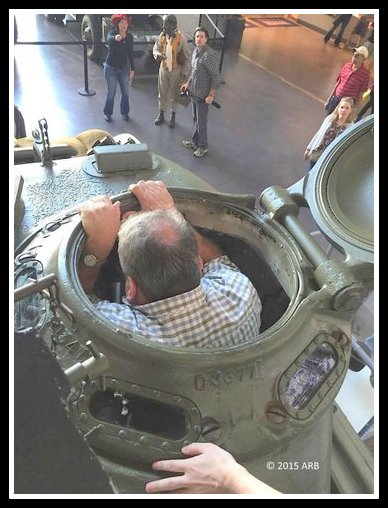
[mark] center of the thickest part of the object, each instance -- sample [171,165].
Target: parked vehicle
[95,27]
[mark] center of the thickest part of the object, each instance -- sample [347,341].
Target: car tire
[55,17]
[91,32]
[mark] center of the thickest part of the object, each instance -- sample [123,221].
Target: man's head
[159,256]
[170,24]
[359,55]
[201,36]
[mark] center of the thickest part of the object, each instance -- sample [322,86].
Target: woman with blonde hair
[331,127]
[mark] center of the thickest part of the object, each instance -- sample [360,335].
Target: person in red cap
[119,65]
[352,81]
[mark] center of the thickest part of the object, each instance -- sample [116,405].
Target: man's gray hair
[159,251]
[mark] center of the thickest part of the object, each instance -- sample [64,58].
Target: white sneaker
[189,144]
[200,152]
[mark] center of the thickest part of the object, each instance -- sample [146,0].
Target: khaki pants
[168,87]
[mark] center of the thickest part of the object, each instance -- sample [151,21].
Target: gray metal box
[122,157]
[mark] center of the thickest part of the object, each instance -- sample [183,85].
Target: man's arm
[156,50]
[332,92]
[209,470]
[215,77]
[101,221]
[131,56]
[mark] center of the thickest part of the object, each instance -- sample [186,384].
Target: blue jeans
[112,76]
[342,20]
[200,111]
[333,103]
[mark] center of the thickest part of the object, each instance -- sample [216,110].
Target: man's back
[223,311]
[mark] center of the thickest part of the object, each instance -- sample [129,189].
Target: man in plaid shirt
[181,290]
[202,84]
[352,81]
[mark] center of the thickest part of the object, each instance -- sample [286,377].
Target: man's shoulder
[220,263]
[209,52]
[221,273]
[210,58]
[365,71]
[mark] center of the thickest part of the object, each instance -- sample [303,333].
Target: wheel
[91,32]
[156,22]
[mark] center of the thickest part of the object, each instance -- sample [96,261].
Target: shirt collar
[172,305]
[199,51]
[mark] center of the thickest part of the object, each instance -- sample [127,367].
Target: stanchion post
[223,45]
[86,91]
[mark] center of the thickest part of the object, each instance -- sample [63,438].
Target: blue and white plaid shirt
[223,310]
[204,73]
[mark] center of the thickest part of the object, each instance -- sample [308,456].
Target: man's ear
[200,263]
[130,289]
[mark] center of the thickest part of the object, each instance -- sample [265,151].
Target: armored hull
[269,402]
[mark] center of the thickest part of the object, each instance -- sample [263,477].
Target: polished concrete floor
[272,102]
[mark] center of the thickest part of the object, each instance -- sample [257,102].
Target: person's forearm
[101,222]
[131,57]
[332,91]
[211,93]
[241,481]
[88,276]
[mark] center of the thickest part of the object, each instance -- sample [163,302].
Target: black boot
[160,118]
[171,123]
